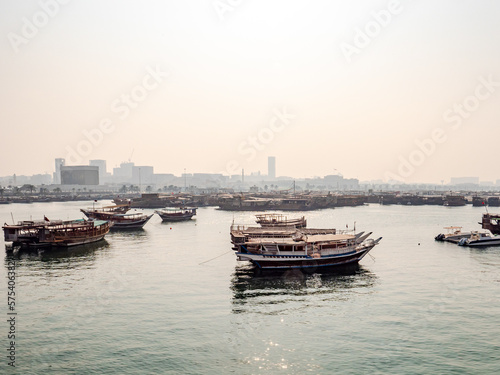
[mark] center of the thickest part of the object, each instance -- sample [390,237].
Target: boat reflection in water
[269,287]
[272,316]
[74,254]
[134,235]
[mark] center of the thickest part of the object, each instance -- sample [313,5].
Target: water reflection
[253,287]
[132,234]
[75,255]
[182,222]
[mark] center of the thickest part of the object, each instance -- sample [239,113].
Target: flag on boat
[45,218]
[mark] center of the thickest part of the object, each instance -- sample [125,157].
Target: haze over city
[373,90]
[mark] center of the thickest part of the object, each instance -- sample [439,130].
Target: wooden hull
[72,242]
[176,218]
[120,221]
[278,220]
[135,224]
[283,262]
[491,222]
[55,233]
[177,215]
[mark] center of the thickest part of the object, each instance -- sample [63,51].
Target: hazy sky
[370,89]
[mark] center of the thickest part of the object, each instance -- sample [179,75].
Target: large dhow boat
[282,248]
[119,220]
[491,222]
[58,233]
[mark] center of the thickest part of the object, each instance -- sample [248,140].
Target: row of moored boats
[275,243]
[490,236]
[59,233]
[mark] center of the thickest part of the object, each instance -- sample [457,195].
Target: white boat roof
[308,239]
[329,237]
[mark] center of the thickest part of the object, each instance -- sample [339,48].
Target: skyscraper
[271,167]
[57,174]
[102,168]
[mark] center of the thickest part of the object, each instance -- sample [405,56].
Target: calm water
[172,299]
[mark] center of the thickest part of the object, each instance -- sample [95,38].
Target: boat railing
[252,227]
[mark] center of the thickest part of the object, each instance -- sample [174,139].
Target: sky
[375,90]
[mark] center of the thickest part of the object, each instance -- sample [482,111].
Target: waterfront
[172,299]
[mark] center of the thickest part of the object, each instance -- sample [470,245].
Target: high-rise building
[79,175]
[123,173]
[271,167]
[57,174]
[102,168]
[142,175]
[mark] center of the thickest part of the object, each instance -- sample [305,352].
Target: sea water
[172,299]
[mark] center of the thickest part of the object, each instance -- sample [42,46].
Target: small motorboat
[454,235]
[477,239]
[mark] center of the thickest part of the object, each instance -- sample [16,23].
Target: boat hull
[120,221]
[137,225]
[71,243]
[481,243]
[176,218]
[130,224]
[181,214]
[283,262]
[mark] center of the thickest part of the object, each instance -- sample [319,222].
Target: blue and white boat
[288,248]
[477,239]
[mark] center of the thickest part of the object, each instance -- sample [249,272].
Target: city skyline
[130,173]
[377,90]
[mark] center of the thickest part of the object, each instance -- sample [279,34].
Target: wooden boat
[56,233]
[150,200]
[241,233]
[478,201]
[176,214]
[120,221]
[278,220]
[491,222]
[115,209]
[493,202]
[289,248]
[455,201]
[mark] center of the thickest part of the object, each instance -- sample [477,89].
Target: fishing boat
[278,220]
[241,233]
[176,214]
[119,220]
[491,222]
[454,200]
[56,233]
[121,201]
[453,234]
[115,209]
[289,248]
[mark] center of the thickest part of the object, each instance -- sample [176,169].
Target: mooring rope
[218,256]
